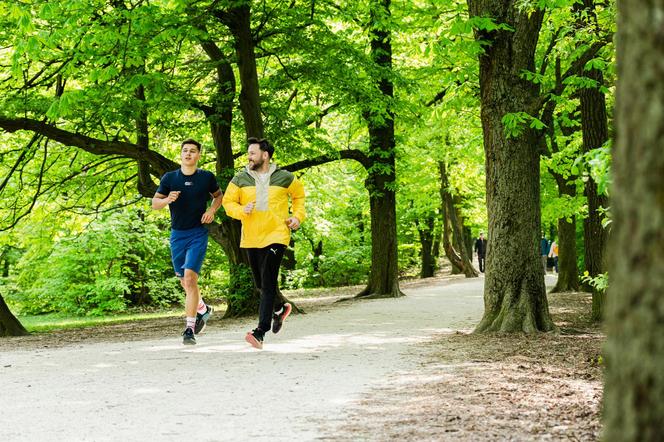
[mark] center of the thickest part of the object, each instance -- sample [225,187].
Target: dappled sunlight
[309,344]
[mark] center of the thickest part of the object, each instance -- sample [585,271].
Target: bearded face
[256,158]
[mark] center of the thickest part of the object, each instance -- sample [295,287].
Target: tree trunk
[594,125]
[9,325]
[452,255]
[595,134]
[514,291]
[243,298]
[568,272]
[428,263]
[634,384]
[288,261]
[468,240]
[384,276]
[238,21]
[456,251]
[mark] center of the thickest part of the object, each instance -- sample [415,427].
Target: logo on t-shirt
[188,183]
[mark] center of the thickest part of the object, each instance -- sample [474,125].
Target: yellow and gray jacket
[266,224]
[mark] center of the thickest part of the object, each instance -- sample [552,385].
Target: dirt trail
[221,389]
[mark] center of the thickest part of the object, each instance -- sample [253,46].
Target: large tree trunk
[568,273]
[9,325]
[243,298]
[514,291]
[384,276]
[634,385]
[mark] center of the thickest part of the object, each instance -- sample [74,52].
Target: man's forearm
[216,203]
[159,203]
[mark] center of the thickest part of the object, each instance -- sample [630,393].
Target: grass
[58,321]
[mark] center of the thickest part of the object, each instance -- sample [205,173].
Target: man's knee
[190,280]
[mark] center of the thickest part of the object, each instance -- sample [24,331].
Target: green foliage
[240,286]
[318,88]
[599,165]
[107,266]
[515,123]
[599,282]
[337,216]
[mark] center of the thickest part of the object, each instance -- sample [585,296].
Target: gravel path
[221,389]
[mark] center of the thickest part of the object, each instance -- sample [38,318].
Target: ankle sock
[191,322]
[202,308]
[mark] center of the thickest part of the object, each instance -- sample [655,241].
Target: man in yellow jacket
[258,196]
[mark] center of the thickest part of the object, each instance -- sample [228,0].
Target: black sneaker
[188,337]
[255,338]
[202,319]
[278,319]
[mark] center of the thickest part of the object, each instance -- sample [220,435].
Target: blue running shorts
[188,249]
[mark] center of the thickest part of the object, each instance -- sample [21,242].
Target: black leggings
[265,264]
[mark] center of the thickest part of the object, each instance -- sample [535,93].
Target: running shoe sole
[276,326]
[251,339]
[204,319]
[188,339]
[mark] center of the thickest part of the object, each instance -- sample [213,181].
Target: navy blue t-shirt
[195,190]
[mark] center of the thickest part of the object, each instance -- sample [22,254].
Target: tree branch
[158,162]
[575,68]
[356,155]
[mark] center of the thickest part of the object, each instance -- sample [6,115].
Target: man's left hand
[207,217]
[293,223]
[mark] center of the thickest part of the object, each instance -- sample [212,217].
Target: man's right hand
[172,196]
[249,207]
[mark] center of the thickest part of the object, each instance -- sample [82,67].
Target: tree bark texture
[595,133]
[238,21]
[454,248]
[245,298]
[9,325]
[634,384]
[594,125]
[384,275]
[514,291]
[426,234]
[450,252]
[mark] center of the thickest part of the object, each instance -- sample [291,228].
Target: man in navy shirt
[186,191]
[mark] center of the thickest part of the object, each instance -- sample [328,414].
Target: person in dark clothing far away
[480,249]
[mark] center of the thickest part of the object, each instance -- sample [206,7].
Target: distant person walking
[480,249]
[544,251]
[553,253]
[186,191]
[258,196]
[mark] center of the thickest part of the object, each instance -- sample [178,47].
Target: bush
[114,263]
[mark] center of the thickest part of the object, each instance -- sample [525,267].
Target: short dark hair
[191,141]
[263,144]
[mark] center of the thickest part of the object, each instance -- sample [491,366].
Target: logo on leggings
[273,251]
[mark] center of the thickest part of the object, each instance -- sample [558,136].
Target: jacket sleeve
[296,191]
[231,202]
